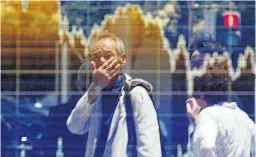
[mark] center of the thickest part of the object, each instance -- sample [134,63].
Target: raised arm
[78,120]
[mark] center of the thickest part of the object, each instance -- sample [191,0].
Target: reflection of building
[179,67]
[41,54]
[243,85]
[28,45]
[23,37]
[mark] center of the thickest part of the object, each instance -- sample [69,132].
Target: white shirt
[224,131]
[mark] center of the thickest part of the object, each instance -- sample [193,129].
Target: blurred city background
[43,44]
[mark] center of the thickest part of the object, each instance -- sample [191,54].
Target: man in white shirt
[221,128]
[101,111]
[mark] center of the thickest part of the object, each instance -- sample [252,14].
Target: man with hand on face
[222,128]
[101,110]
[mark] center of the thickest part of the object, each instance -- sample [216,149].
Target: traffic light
[231,19]
[232,34]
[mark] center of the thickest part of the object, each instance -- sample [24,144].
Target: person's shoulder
[139,92]
[133,84]
[141,99]
[211,111]
[138,87]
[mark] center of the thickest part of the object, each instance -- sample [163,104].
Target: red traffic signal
[231,19]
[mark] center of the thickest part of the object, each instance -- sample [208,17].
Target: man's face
[103,50]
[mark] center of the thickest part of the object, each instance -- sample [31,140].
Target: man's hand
[193,110]
[106,72]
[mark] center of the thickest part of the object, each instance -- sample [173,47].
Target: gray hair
[119,41]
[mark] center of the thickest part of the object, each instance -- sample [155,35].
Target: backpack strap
[132,141]
[131,83]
